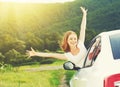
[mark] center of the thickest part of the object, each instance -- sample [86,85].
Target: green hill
[41,26]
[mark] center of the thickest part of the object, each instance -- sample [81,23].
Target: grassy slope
[18,77]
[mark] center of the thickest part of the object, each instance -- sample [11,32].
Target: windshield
[115,45]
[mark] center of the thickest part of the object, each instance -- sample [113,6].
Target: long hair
[64,45]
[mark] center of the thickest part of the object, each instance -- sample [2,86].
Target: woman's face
[72,40]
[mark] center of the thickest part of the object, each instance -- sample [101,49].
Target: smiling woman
[37,1]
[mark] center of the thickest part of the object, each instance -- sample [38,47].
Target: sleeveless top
[77,59]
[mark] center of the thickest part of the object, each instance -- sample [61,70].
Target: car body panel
[104,66]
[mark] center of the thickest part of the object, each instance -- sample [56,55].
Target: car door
[82,77]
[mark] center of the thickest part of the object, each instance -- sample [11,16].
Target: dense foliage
[41,26]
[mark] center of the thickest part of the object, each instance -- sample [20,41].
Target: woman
[73,47]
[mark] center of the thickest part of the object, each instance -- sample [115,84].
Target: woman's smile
[72,40]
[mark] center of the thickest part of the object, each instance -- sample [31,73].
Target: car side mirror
[70,66]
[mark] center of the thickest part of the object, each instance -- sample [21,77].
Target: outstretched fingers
[32,49]
[28,53]
[83,9]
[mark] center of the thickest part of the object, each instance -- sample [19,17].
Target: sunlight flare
[37,1]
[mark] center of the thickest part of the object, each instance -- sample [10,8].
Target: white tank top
[78,59]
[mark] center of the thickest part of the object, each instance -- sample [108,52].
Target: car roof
[110,32]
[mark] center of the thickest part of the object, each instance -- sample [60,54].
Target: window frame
[89,51]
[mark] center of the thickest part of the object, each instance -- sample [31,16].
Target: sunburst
[37,1]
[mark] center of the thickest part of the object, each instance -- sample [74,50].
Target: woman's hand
[84,10]
[31,52]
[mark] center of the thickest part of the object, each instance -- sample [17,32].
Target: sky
[37,1]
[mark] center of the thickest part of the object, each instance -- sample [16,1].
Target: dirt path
[63,82]
[43,68]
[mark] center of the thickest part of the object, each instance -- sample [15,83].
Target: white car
[102,63]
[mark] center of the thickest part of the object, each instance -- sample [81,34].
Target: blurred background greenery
[41,26]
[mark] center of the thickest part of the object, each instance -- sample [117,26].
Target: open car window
[93,52]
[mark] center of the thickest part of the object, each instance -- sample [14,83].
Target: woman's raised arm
[83,24]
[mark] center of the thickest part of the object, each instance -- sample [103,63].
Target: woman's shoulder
[80,42]
[67,53]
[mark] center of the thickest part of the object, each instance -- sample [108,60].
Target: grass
[69,75]
[18,77]
[30,79]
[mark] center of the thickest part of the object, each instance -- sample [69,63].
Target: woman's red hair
[64,45]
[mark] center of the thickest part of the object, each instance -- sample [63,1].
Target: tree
[13,57]
[2,57]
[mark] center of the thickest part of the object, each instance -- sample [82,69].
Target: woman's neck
[74,50]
